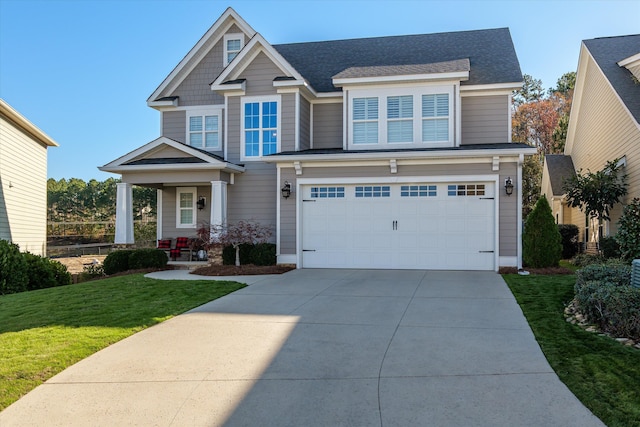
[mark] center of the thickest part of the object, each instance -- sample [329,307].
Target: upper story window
[365,121]
[204,129]
[260,126]
[402,116]
[233,43]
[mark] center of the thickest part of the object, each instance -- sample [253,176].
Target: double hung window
[365,121]
[400,119]
[232,45]
[204,131]
[260,127]
[186,207]
[435,117]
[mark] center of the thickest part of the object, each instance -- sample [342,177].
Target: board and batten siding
[288,122]
[485,119]
[604,130]
[507,205]
[23,189]
[327,125]
[305,124]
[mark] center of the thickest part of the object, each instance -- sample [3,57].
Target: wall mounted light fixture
[286,190]
[202,202]
[508,186]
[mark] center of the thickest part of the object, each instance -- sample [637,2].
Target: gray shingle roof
[560,169]
[490,52]
[403,70]
[607,51]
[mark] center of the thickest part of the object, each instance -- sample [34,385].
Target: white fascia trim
[197,50]
[460,75]
[399,179]
[228,167]
[234,87]
[163,104]
[494,86]
[336,95]
[274,158]
[485,92]
[256,45]
[152,145]
[629,61]
[508,261]
[581,73]
[289,83]
[298,166]
[21,121]
[287,259]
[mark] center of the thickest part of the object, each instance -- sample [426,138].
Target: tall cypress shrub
[542,243]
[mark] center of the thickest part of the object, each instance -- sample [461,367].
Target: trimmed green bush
[542,243]
[147,258]
[583,260]
[263,254]
[570,244]
[617,274]
[117,261]
[13,269]
[44,273]
[629,230]
[229,254]
[609,247]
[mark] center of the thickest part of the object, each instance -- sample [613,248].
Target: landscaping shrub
[629,230]
[615,273]
[229,254]
[583,260]
[570,245]
[147,258]
[13,269]
[609,247]
[263,254]
[542,243]
[117,261]
[92,271]
[45,273]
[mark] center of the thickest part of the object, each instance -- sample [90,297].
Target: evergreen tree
[542,243]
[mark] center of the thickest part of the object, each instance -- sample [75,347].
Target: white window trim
[416,92]
[260,99]
[214,111]
[194,191]
[231,36]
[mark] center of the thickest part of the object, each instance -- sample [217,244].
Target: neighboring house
[603,126]
[396,149]
[23,181]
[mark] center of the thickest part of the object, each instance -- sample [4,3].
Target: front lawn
[603,374]
[43,332]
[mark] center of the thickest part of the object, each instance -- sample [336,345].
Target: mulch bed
[541,271]
[242,270]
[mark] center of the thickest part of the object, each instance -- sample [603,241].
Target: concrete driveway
[322,348]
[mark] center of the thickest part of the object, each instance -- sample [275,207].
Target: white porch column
[218,203]
[124,214]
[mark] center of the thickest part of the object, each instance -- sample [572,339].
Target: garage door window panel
[373,191]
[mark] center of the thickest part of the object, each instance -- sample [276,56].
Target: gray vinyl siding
[174,125]
[23,189]
[485,119]
[288,123]
[253,195]
[507,205]
[259,76]
[169,210]
[327,125]
[305,124]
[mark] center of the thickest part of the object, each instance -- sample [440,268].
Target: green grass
[43,332]
[603,374]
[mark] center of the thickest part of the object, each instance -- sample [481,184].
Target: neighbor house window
[204,131]
[186,207]
[365,121]
[233,43]
[260,127]
[435,117]
[400,119]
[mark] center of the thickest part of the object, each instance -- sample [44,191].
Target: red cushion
[182,243]
[164,244]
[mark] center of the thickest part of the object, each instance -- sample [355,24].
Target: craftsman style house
[23,181]
[391,152]
[604,125]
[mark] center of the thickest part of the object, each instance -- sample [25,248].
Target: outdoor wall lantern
[508,186]
[201,202]
[286,189]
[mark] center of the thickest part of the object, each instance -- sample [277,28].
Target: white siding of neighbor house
[23,189]
[603,130]
[507,205]
[327,125]
[485,119]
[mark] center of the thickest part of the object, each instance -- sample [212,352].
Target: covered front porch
[191,187]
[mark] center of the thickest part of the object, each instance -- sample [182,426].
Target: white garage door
[442,226]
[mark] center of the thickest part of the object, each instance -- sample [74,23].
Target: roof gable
[607,52]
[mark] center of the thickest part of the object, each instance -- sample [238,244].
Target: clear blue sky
[82,70]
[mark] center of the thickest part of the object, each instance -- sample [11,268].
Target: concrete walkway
[322,348]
